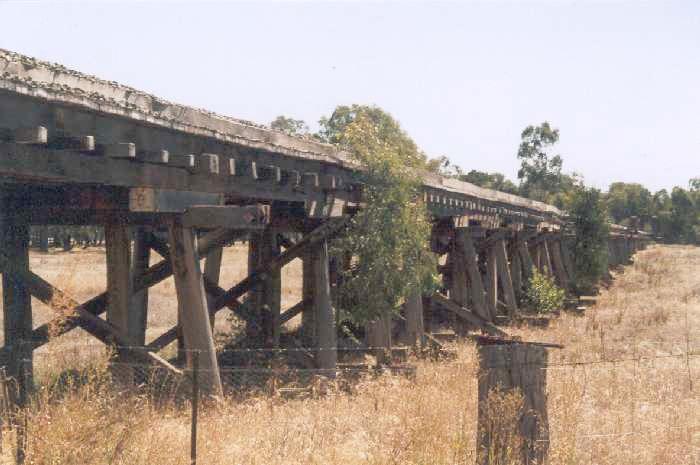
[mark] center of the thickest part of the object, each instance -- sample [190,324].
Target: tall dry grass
[623,391]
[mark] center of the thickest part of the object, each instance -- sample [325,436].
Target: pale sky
[620,79]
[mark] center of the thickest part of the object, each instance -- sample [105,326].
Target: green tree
[496,181]
[389,236]
[683,216]
[385,129]
[291,126]
[694,185]
[626,200]
[589,217]
[540,172]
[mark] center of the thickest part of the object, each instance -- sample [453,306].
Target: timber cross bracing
[75,149]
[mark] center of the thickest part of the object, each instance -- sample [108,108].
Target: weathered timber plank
[192,306]
[207,163]
[212,273]
[415,327]
[504,277]
[558,264]
[36,135]
[17,303]
[30,163]
[140,257]
[468,316]
[491,279]
[226,216]
[149,200]
[478,294]
[327,356]
[121,150]
[154,156]
[295,310]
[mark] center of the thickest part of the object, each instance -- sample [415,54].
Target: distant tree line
[66,237]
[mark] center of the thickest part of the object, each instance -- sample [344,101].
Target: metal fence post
[195,404]
[21,425]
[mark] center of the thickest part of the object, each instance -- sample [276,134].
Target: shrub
[542,294]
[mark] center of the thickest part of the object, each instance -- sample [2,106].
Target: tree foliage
[627,200]
[385,129]
[291,126]
[589,217]
[542,294]
[495,181]
[540,172]
[389,236]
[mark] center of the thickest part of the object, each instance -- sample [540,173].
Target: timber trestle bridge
[78,150]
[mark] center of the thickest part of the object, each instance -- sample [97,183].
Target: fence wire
[648,383]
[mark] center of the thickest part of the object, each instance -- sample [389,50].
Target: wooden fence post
[512,403]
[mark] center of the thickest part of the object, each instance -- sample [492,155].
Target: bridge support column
[192,306]
[414,320]
[491,280]
[119,294]
[44,238]
[516,272]
[560,271]
[476,284]
[140,260]
[546,257]
[526,260]
[308,316]
[459,292]
[324,313]
[565,247]
[212,273]
[504,277]
[17,303]
[266,296]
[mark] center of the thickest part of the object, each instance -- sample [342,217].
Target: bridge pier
[17,303]
[192,305]
[265,297]
[324,313]
[120,312]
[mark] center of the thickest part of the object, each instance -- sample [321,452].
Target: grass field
[624,390]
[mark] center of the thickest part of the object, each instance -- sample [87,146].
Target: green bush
[589,218]
[542,294]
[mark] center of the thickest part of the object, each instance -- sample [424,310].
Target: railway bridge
[184,182]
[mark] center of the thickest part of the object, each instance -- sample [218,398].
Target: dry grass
[623,391]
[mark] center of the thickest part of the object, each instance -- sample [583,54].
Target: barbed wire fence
[288,374]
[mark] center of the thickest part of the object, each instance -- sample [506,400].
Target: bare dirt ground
[624,390]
